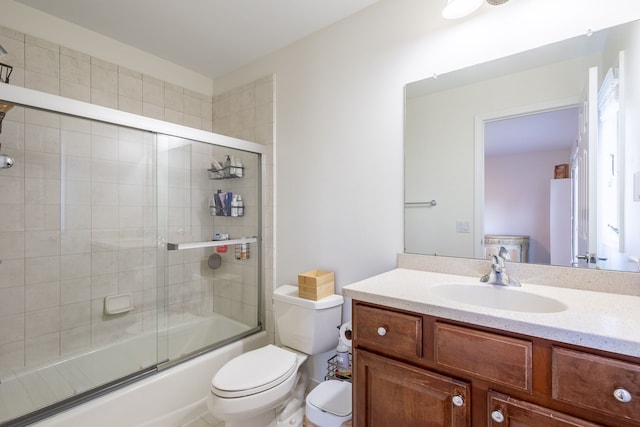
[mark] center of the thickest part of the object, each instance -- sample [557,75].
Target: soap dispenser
[343,364]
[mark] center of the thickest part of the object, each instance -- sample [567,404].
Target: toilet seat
[254,372]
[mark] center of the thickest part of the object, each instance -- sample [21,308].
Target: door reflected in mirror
[537,145]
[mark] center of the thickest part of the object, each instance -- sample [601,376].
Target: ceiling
[210,37]
[543,131]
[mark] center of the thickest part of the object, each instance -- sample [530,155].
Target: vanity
[440,349]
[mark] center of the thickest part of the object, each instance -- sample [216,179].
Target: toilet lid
[332,396]
[254,372]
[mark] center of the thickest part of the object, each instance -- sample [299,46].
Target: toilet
[266,387]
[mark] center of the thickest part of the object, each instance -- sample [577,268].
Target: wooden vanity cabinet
[412,369]
[398,394]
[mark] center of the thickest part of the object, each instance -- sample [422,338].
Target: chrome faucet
[498,274]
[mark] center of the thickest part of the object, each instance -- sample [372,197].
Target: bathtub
[167,398]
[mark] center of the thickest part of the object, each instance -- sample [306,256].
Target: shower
[5,161]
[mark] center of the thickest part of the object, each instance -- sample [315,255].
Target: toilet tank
[306,325]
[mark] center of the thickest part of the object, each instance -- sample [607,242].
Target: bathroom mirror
[484,146]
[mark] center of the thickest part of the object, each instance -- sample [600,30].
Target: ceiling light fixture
[460,8]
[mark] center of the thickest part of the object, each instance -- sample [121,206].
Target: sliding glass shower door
[112,259]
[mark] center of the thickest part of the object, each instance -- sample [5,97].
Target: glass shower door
[210,219]
[78,258]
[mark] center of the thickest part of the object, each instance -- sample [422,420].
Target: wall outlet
[462,226]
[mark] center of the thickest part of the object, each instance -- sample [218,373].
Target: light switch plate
[462,226]
[636,187]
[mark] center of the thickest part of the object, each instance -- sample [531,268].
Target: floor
[204,420]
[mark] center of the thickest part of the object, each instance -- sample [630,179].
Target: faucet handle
[504,254]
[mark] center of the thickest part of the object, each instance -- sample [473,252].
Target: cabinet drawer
[493,357]
[507,411]
[387,331]
[596,382]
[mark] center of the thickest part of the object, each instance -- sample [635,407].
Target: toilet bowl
[250,389]
[265,387]
[329,405]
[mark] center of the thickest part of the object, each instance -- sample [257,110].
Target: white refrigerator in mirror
[560,222]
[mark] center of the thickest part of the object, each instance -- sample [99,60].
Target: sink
[498,297]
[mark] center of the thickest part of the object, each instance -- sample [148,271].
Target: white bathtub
[164,399]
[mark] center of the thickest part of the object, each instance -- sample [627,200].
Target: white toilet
[266,387]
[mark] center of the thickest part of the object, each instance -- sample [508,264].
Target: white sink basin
[499,297]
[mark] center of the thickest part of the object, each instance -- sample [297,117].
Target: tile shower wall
[52,280]
[193,289]
[81,227]
[247,112]
[47,67]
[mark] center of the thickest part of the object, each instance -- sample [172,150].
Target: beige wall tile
[130,105]
[13,217]
[42,57]
[41,270]
[42,322]
[11,300]
[173,116]
[75,290]
[42,217]
[75,91]
[75,340]
[42,348]
[75,68]
[15,48]
[11,273]
[75,314]
[41,82]
[75,242]
[130,83]
[153,111]
[12,330]
[42,295]
[173,98]
[152,91]
[104,98]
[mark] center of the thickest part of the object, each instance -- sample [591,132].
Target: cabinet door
[505,411]
[390,393]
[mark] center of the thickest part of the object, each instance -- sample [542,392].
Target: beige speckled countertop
[598,320]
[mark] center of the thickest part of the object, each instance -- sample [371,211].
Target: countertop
[599,320]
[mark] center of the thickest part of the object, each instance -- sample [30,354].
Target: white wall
[339,97]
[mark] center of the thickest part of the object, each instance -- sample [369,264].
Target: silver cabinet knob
[457,400]
[622,395]
[497,416]
[382,331]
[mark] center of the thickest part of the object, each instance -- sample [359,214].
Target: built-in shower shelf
[209,244]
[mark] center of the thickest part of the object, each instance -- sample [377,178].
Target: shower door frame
[30,98]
